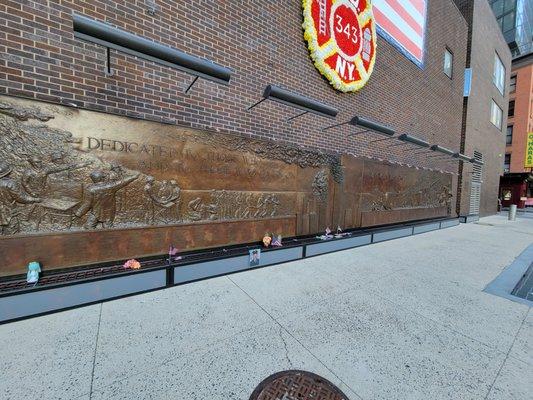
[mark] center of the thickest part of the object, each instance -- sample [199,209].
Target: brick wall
[522,121]
[262,42]
[479,134]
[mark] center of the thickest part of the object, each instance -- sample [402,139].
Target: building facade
[142,145]
[516,184]
[485,108]
[515,18]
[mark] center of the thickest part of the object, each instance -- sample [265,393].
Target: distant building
[515,18]
[488,66]
[516,186]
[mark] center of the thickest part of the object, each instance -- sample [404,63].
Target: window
[498,75]
[496,115]
[509,135]
[448,63]
[510,113]
[507,163]
[505,13]
[512,84]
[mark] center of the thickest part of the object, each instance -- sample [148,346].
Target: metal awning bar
[462,157]
[414,140]
[106,35]
[303,103]
[371,125]
[365,123]
[443,150]
[477,162]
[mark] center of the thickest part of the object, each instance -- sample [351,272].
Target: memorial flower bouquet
[132,264]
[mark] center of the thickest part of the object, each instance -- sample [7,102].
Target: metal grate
[296,385]
[475,187]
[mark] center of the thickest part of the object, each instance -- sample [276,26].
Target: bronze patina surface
[80,187]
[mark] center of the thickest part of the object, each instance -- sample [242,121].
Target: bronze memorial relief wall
[79,187]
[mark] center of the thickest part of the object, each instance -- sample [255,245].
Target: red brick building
[262,42]
[517,183]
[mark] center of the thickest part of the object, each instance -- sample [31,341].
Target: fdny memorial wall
[80,187]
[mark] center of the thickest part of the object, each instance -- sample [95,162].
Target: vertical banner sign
[529,151]
[341,36]
[403,24]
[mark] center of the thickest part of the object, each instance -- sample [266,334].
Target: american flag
[403,24]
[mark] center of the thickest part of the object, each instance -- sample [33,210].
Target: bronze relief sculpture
[76,177]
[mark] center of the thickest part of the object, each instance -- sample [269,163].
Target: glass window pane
[509,5]
[498,76]
[512,84]
[496,115]
[448,63]
[497,7]
[508,22]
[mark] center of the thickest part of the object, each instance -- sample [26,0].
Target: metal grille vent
[475,187]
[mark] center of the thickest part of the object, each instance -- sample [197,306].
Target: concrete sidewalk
[404,319]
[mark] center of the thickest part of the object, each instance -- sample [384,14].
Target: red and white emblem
[341,35]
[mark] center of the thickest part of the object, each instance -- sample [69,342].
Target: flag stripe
[393,30]
[395,19]
[420,5]
[416,14]
[408,18]
[403,23]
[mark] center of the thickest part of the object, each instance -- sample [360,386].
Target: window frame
[497,78]
[509,134]
[512,88]
[509,109]
[446,52]
[507,165]
[501,114]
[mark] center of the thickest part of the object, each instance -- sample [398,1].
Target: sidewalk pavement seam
[298,341]
[169,361]
[95,351]
[186,354]
[491,347]
[507,355]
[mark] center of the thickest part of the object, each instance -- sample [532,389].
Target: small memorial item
[132,264]
[276,242]
[267,239]
[255,257]
[327,235]
[34,268]
[339,233]
[172,251]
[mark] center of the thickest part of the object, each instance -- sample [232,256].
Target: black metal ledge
[157,273]
[106,35]
[442,150]
[372,126]
[413,140]
[462,157]
[307,105]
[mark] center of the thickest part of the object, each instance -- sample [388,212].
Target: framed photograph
[255,257]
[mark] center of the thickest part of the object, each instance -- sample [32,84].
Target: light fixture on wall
[462,157]
[365,123]
[413,140]
[110,37]
[306,104]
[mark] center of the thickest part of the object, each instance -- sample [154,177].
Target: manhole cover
[296,385]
